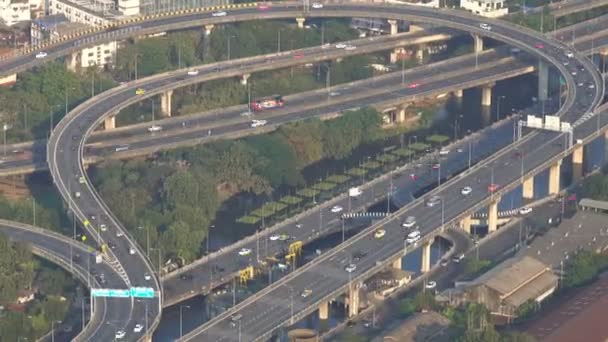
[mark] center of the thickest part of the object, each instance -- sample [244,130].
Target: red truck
[272,102]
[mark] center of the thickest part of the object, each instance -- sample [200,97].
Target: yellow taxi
[140,91]
[379,234]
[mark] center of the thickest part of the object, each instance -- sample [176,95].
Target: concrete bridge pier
[398,263]
[415,28]
[425,264]
[577,162]
[208,29]
[554,177]
[109,122]
[394,26]
[394,55]
[543,81]
[71,61]
[420,53]
[324,311]
[466,224]
[477,43]
[165,102]
[245,78]
[493,215]
[486,94]
[528,188]
[458,93]
[300,22]
[401,113]
[353,300]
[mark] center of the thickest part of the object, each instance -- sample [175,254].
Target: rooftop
[593,204]
[534,289]
[50,21]
[509,276]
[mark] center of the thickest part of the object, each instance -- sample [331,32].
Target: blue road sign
[142,292]
[110,293]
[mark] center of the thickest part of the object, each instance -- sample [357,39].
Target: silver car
[434,200]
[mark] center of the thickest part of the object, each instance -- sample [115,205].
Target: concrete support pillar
[353,300]
[465,224]
[394,55]
[554,177]
[245,78]
[165,102]
[577,162]
[109,122]
[415,28]
[486,95]
[477,43]
[420,53]
[528,188]
[398,264]
[543,81]
[394,27]
[425,264]
[208,29]
[401,113]
[458,93]
[324,311]
[71,61]
[300,22]
[493,215]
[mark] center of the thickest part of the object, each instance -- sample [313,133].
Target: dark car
[359,255]
[186,276]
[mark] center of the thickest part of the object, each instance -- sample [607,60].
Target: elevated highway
[276,304]
[563,8]
[188,130]
[66,144]
[79,260]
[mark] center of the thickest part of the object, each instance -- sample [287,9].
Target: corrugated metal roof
[591,203]
[533,289]
[508,276]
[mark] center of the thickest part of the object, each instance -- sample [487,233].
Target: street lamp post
[181,327]
[147,239]
[160,252]
[502,97]
[409,142]
[53,330]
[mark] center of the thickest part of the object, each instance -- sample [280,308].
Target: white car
[350,268]
[120,334]
[336,209]
[306,293]
[219,14]
[340,46]
[103,227]
[317,5]
[147,276]
[155,128]
[485,26]
[258,123]
[413,236]
[81,180]
[350,47]
[77,194]
[525,210]
[41,54]
[444,151]
[244,251]
[466,190]
[132,251]
[118,233]
[431,285]
[409,222]
[274,237]
[379,234]
[192,72]
[138,328]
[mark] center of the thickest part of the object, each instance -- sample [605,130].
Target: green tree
[280,166]
[584,267]
[16,269]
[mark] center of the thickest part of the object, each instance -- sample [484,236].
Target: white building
[486,8]
[56,26]
[14,11]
